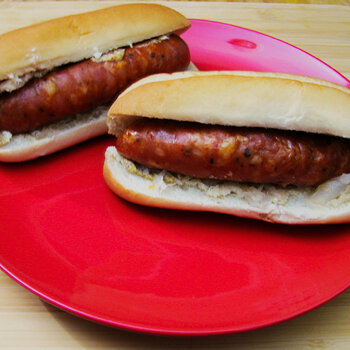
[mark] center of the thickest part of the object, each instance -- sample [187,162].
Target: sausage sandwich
[57,77]
[268,146]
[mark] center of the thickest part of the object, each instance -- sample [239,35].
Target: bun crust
[73,38]
[254,99]
[268,203]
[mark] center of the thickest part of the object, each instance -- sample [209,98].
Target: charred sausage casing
[239,154]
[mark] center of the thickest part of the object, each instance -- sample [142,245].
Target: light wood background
[320,27]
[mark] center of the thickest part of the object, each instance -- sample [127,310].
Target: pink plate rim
[346,80]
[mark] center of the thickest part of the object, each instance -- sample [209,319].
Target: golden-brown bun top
[254,99]
[72,38]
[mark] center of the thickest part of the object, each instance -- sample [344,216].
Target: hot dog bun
[267,100]
[68,39]
[255,99]
[40,48]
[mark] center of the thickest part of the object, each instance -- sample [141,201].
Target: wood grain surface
[28,323]
[322,30]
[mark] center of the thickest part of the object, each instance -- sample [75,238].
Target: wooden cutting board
[322,30]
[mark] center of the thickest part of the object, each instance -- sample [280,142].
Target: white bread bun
[256,99]
[233,98]
[37,49]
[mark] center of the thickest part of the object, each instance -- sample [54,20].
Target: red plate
[67,238]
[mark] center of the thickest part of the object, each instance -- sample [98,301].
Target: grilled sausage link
[239,154]
[85,85]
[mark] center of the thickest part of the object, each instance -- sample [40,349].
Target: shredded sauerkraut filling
[5,137]
[115,55]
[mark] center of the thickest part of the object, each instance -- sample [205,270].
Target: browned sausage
[238,154]
[82,86]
